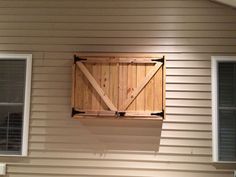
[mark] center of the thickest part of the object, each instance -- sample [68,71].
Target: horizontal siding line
[118,44]
[160,161]
[180,153]
[87,167]
[52,24]
[166,129]
[109,151]
[165,121]
[77,151]
[66,21]
[172,56]
[122,15]
[103,155]
[36,161]
[85,164]
[124,30]
[189,114]
[151,149]
[65,106]
[34,14]
[133,6]
[179,90]
[155,11]
[35,103]
[34,136]
[167,49]
[117,7]
[165,4]
[104,171]
[154,131]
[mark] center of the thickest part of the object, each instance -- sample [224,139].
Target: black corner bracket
[76,58]
[120,114]
[74,112]
[159,59]
[158,114]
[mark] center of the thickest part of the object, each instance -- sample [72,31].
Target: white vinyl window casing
[215,60]
[27,58]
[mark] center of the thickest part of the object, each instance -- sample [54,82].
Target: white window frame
[214,87]
[25,128]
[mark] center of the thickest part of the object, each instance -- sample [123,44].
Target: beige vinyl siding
[187,32]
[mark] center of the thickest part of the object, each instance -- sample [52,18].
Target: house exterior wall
[187,32]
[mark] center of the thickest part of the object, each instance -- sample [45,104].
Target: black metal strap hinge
[120,114]
[159,59]
[158,114]
[73,112]
[76,58]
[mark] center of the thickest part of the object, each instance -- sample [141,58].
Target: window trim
[25,129]
[214,87]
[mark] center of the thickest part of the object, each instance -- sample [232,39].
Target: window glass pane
[227,111]
[227,84]
[227,135]
[12,81]
[12,87]
[11,119]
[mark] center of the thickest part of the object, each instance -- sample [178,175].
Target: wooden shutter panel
[130,87]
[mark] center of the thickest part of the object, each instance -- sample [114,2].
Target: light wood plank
[105,83]
[149,90]
[158,90]
[96,86]
[79,90]
[96,99]
[73,86]
[114,83]
[87,99]
[141,86]
[132,79]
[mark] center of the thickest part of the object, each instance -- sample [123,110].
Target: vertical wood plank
[120,96]
[80,87]
[105,81]
[125,82]
[113,90]
[132,83]
[73,85]
[141,71]
[158,91]
[87,99]
[164,87]
[96,99]
[149,91]
[121,86]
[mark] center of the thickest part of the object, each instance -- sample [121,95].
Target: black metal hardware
[73,112]
[76,58]
[120,114]
[159,59]
[158,114]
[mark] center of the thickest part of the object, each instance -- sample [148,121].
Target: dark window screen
[227,111]
[12,87]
